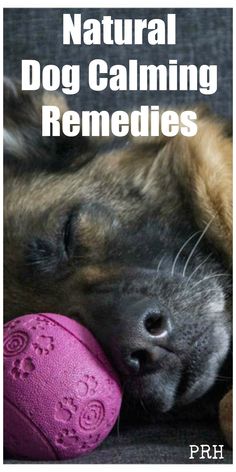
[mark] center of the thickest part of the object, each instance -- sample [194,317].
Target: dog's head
[107,234]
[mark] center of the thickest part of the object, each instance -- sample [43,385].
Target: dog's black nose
[156,323]
[144,337]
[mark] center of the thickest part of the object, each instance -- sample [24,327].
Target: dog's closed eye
[68,232]
[42,256]
[49,253]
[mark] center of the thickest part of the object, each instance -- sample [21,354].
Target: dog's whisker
[223,380]
[118,418]
[223,377]
[181,249]
[210,277]
[144,406]
[196,245]
[159,264]
[197,268]
[118,426]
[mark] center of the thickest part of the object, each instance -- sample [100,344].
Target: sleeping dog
[132,238]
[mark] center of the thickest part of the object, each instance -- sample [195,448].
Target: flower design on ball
[15,343]
[92,415]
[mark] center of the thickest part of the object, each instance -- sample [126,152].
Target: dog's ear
[25,149]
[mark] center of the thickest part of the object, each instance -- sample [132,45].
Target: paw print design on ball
[44,345]
[93,438]
[67,438]
[65,409]
[39,322]
[22,368]
[87,385]
[110,387]
[12,325]
[111,418]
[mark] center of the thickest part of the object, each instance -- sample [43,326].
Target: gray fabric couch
[203,36]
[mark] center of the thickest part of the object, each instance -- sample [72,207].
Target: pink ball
[62,396]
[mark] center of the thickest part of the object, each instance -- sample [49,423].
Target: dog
[130,237]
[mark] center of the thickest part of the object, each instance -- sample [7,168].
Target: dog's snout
[144,338]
